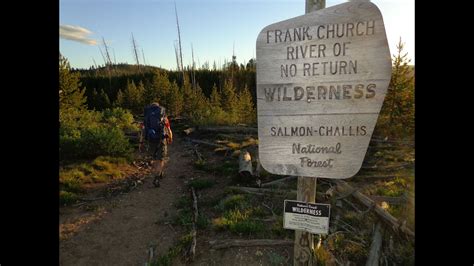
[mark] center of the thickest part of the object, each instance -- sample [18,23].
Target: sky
[213,28]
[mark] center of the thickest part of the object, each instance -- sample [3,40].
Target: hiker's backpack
[154,124]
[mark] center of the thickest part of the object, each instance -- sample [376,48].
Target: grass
[66,198]
[277,229]
[202,183]
[276,259]
[173,252]
[343,246]
[226,168]
[74,178]
[322,256]
[184,215]
[232,202]
[239,222]
[240,214]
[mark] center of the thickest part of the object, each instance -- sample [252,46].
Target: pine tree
[104,101]
[229,101]
[119,102]
[199,106]
[139,101]
[70,93]
[175,100]
[133,97]
[162,84]
[93,102]
[246,110]
[188,97]
[399,104]
[215,98]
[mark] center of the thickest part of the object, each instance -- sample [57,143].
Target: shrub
[66,198]
[120,118]
[94,142]
[201,183]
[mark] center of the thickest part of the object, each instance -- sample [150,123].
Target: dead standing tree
[107,60]
[180,50]
[143,55]
[193,77]
[135,53]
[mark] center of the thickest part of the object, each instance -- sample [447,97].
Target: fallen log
[253,190]
[150,253]
[330,192]
[198,154]
[376,176]
[189,130]
[220,147]
[227,129]
[374,254]
[262,191]
[245,164]
[278,181]
[395,225]
[220,244]
[388,167]
[192,249]
[93,199]
[390,200]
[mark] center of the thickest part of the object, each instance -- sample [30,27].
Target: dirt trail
[122,230]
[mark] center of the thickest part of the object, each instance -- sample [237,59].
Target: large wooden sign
[321,81]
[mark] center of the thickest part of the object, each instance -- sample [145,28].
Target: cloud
[76,33]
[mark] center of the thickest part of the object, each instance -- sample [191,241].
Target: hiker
[157,132]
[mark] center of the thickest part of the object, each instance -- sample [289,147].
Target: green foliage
[88,134]
[237,201]
[278,230]
[238,221]
[120,101]
[342,246]
[133,97]
[394,188]
[276,259]
[175,100]
[103,100]
[71,96]
[66,198]
[73,177]
[202,221]
[215,98]
[197,108]
[167,259]
[222,98]
[160,89]
[202,183]
[229,101]
[92,142]
[228,167]
[245,109]
[239,215]
[72,180]
[119,118]
[397,116]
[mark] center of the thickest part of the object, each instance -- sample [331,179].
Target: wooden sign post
[321,81]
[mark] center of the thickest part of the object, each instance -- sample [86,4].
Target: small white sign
[310,217]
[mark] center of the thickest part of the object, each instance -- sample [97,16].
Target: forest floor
[140,223]
[123,229]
